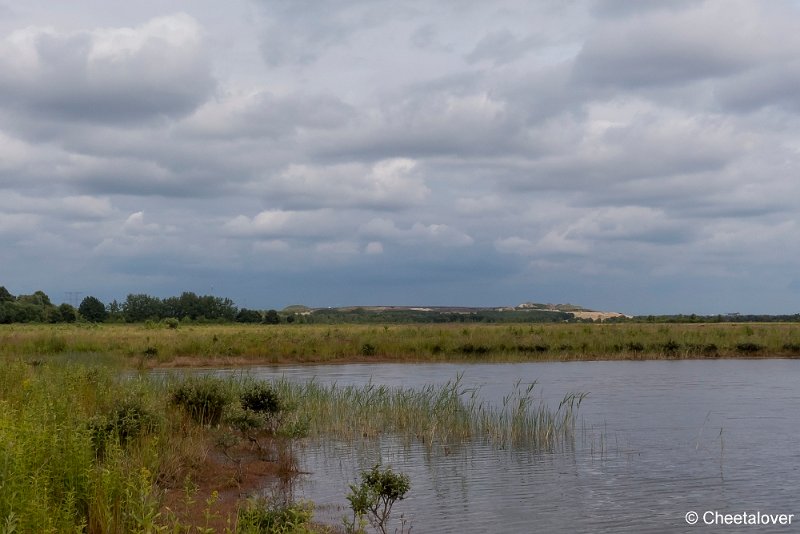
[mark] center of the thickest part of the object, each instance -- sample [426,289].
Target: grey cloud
[117,75]
[706,40]
[648,147]
[266,115]
[776,85]
[293,35]
[626,8]
[636,57]
[501,47]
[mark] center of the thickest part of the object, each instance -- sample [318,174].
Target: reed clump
[434,415]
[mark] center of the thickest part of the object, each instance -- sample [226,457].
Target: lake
[655,440]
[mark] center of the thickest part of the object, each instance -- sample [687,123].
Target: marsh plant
[373,498]
[435,415]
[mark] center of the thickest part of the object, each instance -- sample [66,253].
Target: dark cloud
[157,69]
[770,86]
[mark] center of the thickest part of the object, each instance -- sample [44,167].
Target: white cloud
[285,223]
[135,225]
[386,184]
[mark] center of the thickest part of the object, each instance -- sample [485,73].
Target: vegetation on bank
[85,448]
[159,344]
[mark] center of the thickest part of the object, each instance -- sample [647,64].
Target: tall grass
[434,415]
[142,346]
[75,454]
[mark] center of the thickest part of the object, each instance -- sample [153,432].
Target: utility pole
[72,297]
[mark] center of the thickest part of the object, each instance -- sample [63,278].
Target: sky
[640,157]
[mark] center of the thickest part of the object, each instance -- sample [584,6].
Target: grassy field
[188,345]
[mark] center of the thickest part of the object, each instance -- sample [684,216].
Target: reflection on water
[654,441]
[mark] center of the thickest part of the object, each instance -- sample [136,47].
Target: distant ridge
[579,312]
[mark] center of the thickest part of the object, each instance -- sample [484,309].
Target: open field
[139,345]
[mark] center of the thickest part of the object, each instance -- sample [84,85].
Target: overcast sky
[641,157]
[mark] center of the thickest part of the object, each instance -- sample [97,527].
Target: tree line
[136,308]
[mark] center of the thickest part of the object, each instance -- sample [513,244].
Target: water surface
[655,440]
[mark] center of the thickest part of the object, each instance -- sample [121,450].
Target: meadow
[158,344]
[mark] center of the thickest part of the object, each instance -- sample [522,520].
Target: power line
[72,297]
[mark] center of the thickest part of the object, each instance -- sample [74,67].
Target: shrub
[368,350]
[749,348]
[127,421]
[264,516]
[203,399]
[171,322]
[374,498]
[259,397]
[792,347]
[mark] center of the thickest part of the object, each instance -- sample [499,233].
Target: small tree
[5,296]
[374,497]
[65,313]
[272,317]
[93,310]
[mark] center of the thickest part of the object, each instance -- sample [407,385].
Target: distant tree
[5,296]
[38,298]
[189,305]
[93,310]
[272,317]
[114,309]
[248,316]
[7,312]
[140,307]
[65,313]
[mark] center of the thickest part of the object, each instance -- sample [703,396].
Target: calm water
[655,440]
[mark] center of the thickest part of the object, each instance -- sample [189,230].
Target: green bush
[261,516]
[749,348]
[259,397]
[125,422]
[204,399]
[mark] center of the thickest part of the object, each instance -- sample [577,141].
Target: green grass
[145,346]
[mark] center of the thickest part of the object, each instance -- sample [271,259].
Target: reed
[433,415]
